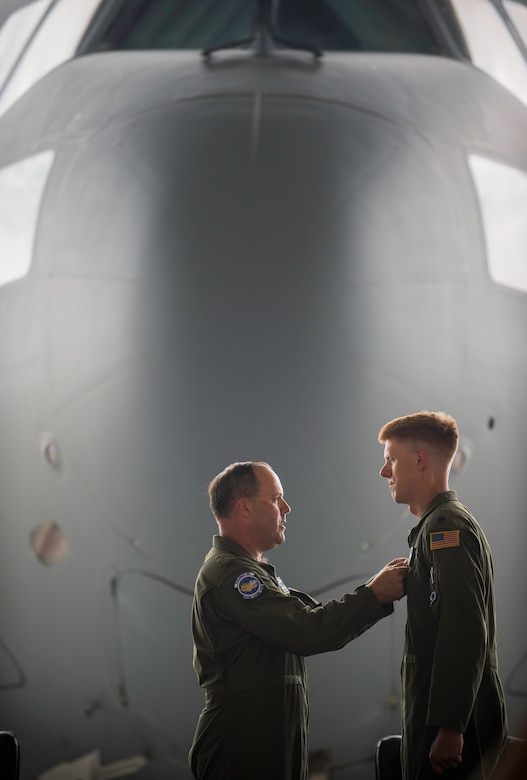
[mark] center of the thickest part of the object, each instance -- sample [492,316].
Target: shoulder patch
[248,585]
[441,539]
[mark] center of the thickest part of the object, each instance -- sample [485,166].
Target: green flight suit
[250,635]
[450,668]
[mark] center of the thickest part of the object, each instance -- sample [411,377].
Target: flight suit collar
[441,498]
[225,544]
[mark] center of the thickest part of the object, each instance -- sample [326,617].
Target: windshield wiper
[264,39]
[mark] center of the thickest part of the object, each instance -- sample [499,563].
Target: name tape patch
[248,585]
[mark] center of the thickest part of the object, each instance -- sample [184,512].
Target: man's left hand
[446,751]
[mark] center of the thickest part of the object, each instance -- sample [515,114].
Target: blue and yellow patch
[248,585]
[283,587]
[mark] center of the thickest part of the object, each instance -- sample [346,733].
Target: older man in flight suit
[453,705]
[251,632]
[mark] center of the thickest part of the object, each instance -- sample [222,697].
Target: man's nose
[285,507]
[385,471]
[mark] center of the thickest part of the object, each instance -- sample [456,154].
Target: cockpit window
[352,25]
[168,24]
[326,25]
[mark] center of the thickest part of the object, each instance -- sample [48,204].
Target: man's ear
[422,458]
[243,506]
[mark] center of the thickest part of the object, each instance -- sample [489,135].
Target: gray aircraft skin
[242,257]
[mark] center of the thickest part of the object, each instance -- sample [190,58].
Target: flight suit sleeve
[458,595]
[287,622]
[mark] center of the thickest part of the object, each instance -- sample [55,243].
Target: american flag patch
[441,539]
